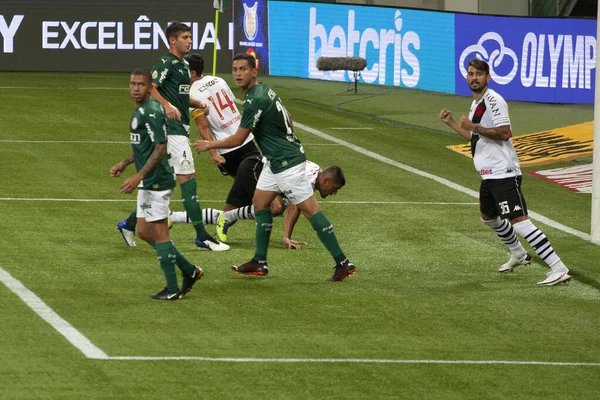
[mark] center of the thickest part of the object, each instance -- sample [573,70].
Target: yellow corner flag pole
[214,70]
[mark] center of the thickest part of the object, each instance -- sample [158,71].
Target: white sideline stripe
[217,201]
[114,142]
[352,360]
[63,88]
[351,129]
[47,314]
[64,141]
[450,184]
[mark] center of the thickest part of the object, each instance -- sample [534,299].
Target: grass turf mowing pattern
[426,285]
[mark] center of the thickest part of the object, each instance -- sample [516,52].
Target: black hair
[248,57]
[196,63]
[143,72]
[336,174]
[175,29]
[480,65]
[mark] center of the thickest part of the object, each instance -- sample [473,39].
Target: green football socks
[264,225]
[192,207]
[166,257]
[182,263]
[132,219]
[324,229]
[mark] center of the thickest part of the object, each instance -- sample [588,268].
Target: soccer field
[425,316]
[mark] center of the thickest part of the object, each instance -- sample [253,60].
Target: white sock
[540,244]
[210,216]
[178,217]
[246,212]
[506,233]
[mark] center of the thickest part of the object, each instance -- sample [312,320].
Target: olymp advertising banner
[104,36]
[547,60]
[251,27]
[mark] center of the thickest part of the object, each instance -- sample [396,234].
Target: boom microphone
[341,63]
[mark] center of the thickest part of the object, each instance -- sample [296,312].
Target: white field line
[350,129]
[434,203]
[47,314]
[65,141]
[352,360]
[63,88]
[450,184]
[113,142]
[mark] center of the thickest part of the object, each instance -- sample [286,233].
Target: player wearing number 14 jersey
[285,172]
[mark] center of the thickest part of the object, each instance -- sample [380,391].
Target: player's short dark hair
[175,29]
[196,63]
[480,65]
[143,72]
[336,174]
[248,57]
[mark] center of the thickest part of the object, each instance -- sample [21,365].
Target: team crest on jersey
[134,123]
[154,74]
[250,21]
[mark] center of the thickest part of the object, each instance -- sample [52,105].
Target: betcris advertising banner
[406,48]
[251,27]
[531,59]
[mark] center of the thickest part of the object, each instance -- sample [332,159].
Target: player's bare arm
[206,134]
[232,141]
[198,105]
[170,110]
[289,221]
[131,183]
[502,133]
[446,117]
[118,169]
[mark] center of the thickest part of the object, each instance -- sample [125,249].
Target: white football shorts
[292,182]
[182,159]
[153,205]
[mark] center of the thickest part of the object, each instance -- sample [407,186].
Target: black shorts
[244,184]
[502,197]
[233,159]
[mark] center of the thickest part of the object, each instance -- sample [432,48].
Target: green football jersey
[172,76]
[147,129]
[270,123]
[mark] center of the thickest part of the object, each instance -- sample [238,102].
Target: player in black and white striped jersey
[488,129]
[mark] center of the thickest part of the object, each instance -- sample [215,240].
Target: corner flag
[219,5]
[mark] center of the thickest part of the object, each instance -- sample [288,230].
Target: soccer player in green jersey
[154,181]
[265,116]
[170,87]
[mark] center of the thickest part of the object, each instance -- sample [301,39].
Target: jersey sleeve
[155,123]
[160,71]
[500,114]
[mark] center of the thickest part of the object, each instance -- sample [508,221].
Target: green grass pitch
[426,315]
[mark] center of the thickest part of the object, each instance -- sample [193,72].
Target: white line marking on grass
[350,360]
[47,314]
[351,129]
[446,182]
[65,141]
[86,200]
[62,88]
[91,351]
[428,203]
[217,201]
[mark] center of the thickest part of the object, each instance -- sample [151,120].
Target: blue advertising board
[531,59]
[251,27]
[407,48]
